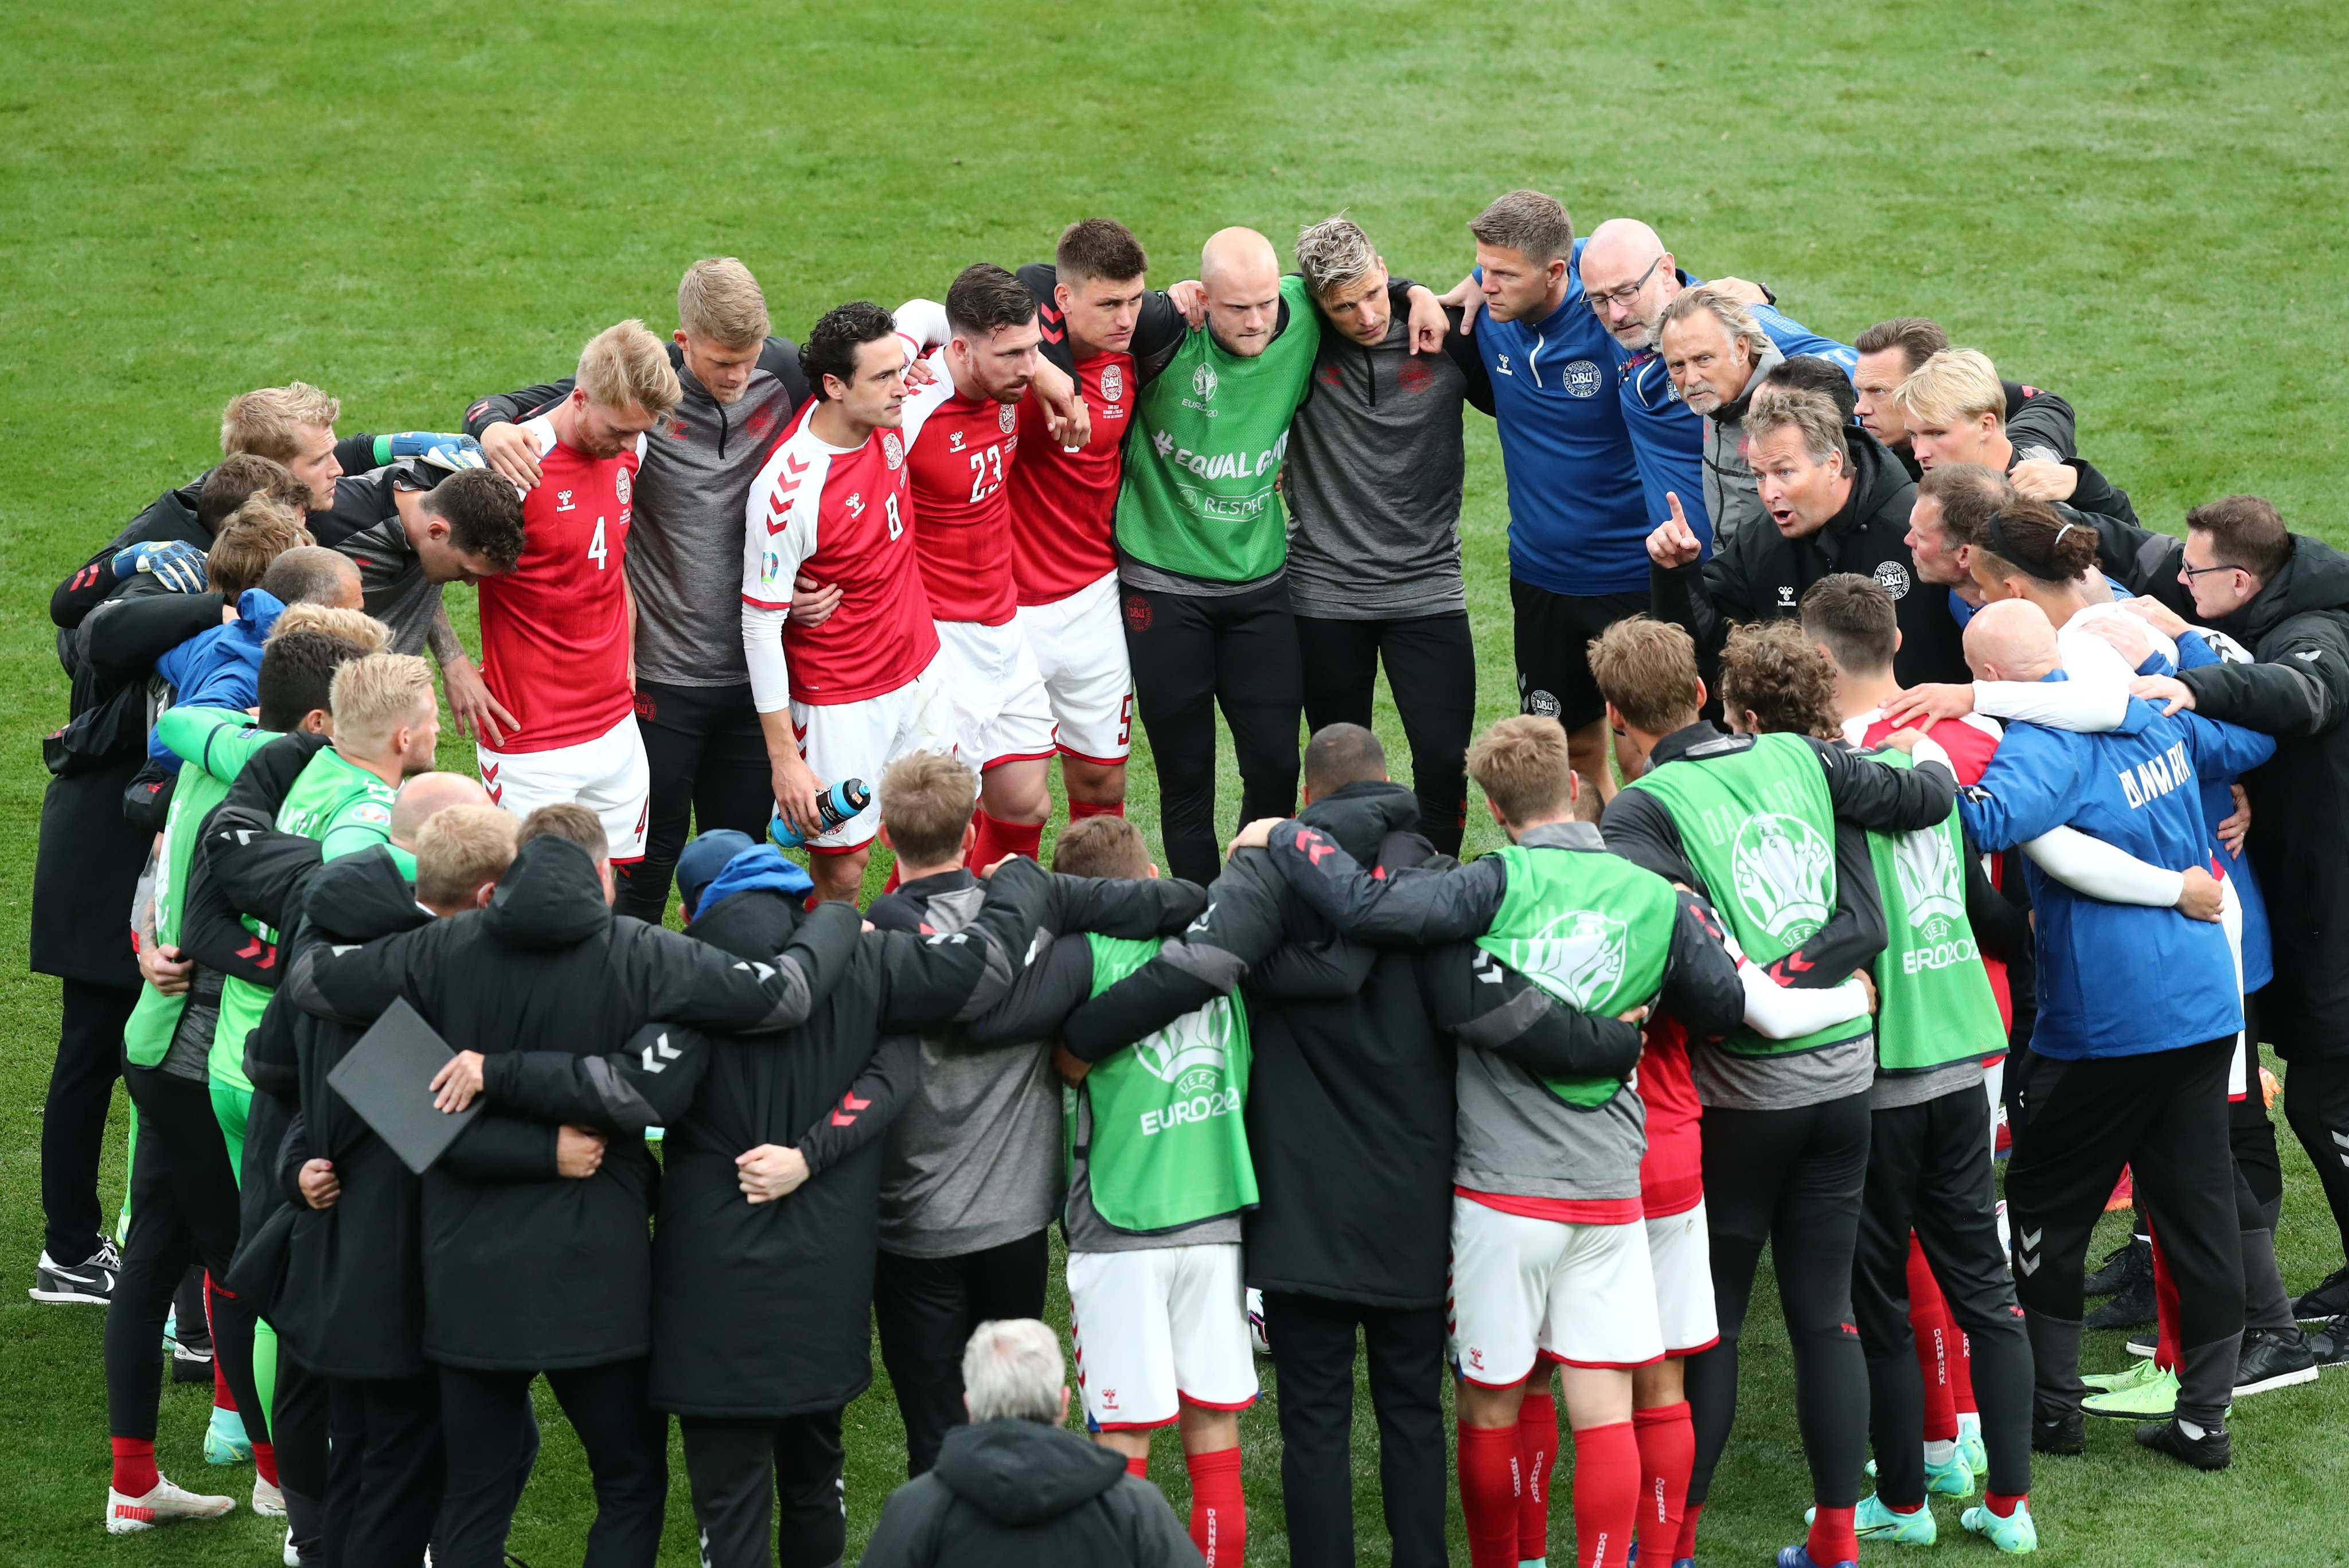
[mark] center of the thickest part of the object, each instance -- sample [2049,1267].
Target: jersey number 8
[896,524]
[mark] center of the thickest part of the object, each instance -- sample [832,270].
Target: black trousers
[383,1490]
[73,1118]
[183,1211]
[741,1470]
[1192,655]
[1791,1179]
[1430,663]
[1313,1342]
[2164,1115]
[709,763]
[491,1438]
[1929,1171]
[2252,1138]
[927,1309]
[299,1426]
[2316,1104]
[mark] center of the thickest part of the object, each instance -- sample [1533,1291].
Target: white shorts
[857,739]
[1526,1289]
[1679,1260]
[1078,646]
[608,774]
[1001,712]
[1157,1328]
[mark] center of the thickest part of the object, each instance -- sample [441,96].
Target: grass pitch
[2135,204]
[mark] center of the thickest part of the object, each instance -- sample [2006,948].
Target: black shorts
[1553,648]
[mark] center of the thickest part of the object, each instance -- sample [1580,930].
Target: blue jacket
[220,668]
[1577,520]
[2217,805]
[1667,440]
[2119,980]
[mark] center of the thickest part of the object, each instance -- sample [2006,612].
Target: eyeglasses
[2187,574]
[1629,291]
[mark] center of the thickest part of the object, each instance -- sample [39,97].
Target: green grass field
[2137,205]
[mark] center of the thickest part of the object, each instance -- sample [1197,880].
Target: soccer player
[2038,422]
[1954,408]
[1785,1121]
[844,698]
[429,530]
[1835,500]
[1374,470]
[1629,278]
[962,441]
[740,386]
[558,631]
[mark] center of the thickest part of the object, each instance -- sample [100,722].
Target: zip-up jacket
[2039,423]
[1732,497]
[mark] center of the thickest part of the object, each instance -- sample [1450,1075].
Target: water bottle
[832,808]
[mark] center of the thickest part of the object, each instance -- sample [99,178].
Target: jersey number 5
[597,549]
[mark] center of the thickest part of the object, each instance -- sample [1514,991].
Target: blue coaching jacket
[2119,980]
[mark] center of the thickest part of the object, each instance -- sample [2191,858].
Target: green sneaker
[2152,1397]
[1970,1443]
[224,1440]
[2016,1534]
[1872,1521]
[2139,1372]
[1955,1479]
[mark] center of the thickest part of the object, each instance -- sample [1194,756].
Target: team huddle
[1878,808]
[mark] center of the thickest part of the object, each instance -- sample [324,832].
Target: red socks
[1138,1466]
[1833,1540]
[134,1466]
[1537,1456]
[997,839]
[1929,1318]
[264,1461]
[2003,1503]
[1667,1440]
[1962,1369]
[1218,1510]
[1689,1516]
[1489,1461]
[1080,809]
[1606,1493]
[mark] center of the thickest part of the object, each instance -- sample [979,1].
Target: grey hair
[1812,415]
[1334,254]
[1734,318]
[1533,225]
[1012,1371]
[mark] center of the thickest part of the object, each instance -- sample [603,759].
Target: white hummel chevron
[667,1052]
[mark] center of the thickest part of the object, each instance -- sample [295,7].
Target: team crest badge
[1781,868]
[1203,383]
[893,448]
[1583,380]
[1894,577]
[1006,417]
[1113,384]
[621,485]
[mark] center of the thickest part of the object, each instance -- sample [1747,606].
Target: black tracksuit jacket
[524,1273]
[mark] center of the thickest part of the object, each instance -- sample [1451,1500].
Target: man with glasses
[1629,278]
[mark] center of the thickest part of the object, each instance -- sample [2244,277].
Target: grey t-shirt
[1373,478]
[1733,1082]
[1894,1090]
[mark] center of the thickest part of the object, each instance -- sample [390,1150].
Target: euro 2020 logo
[1578,957]
[1782,868]
[1929,885]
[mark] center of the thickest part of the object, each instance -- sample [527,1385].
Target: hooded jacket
[1761,575]
[522,1272]
[1018,1493]
[2297,627]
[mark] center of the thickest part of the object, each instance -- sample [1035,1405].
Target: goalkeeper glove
[174,563]
[442,452]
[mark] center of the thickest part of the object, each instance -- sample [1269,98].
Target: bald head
[1241,274]
[1629,278]
[314,575]
[426,796]
[2012,640]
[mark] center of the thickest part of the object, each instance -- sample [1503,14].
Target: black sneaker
[2329,1299]
[2273,1359]
[2122,1265]
[2133,1307]
[2329,1345]
[2064,1434]
[2210,1451]
[91,1280]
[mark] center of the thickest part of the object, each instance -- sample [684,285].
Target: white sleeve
[2088,865]
[923,401]
[2089,706]
[922,322]
[770,562]
[1781,1013]
[762,651]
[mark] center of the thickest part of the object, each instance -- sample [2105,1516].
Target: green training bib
[1934,1004]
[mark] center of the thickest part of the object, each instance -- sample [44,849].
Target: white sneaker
[269,1501]
[167,1502]
[292,1558]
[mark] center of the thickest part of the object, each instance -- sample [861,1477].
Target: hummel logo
[857,505]
[1209,914]
[666,1053]
[953,441]
[563,501]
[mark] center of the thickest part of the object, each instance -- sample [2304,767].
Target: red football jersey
[960,454]
[846,517]
[1671,1172]
[554,630]
[1064,502]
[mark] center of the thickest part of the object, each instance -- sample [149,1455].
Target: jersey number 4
[986,472]
[597,549]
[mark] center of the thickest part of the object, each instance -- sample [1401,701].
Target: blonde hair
[375,694]
[1334,254]
[927,799]
[1953,386]
[626,364]
[1646,669]
[355,627]
[249,538]
[460,848]
[1520,764]
[268,422]
[720,300]
[1812,415]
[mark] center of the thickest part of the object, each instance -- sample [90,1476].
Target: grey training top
[1732,496]
[1892,1091]
[1373,480]
[1781,1083]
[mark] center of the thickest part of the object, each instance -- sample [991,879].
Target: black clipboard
[385,1079]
